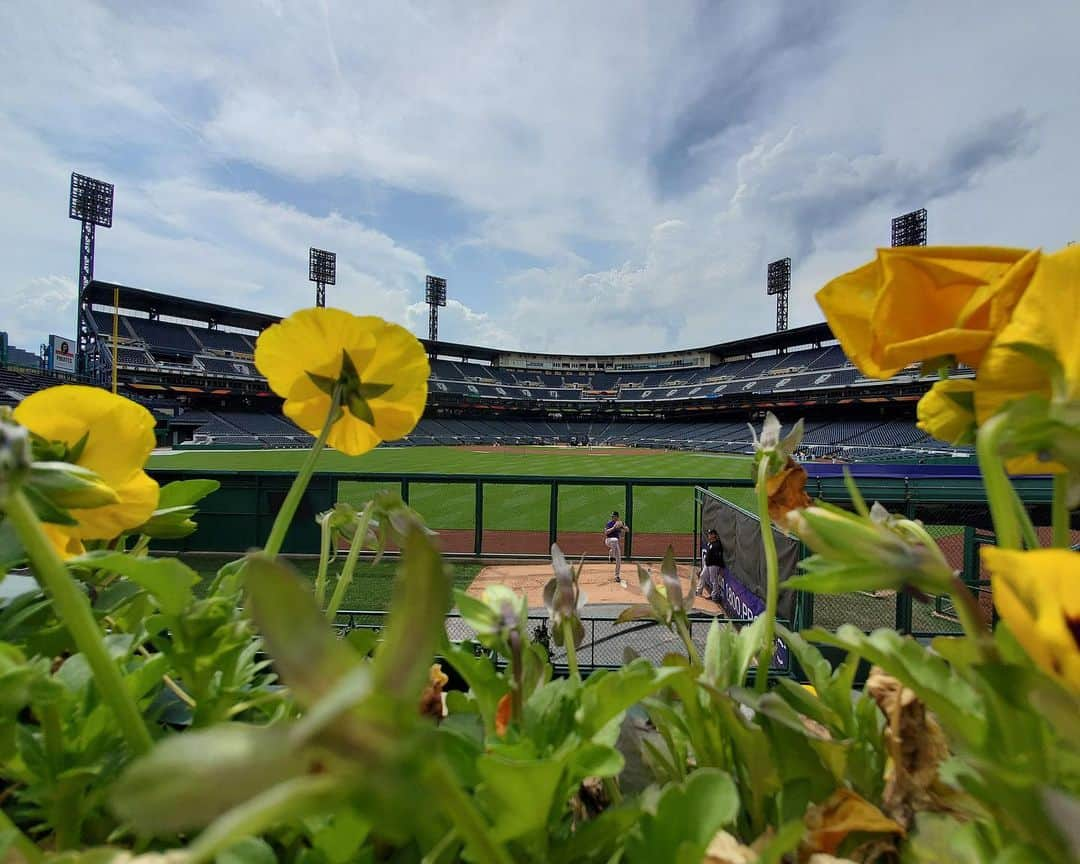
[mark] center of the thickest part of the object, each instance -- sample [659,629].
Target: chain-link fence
[607,644]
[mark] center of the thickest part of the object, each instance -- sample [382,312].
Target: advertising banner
[743,583]
[62,354]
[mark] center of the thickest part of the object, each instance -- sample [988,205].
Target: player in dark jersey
[613,534]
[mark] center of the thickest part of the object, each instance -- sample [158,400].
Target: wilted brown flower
[829,823]
[726,849]
[431,700]
[787,490]
[916,746]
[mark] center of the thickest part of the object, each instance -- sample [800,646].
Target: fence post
[697,526]
[553,515]
[970,575]
[478,533]
[404,490]
[903,598]
[630,519]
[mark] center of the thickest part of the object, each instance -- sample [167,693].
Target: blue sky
[588,177]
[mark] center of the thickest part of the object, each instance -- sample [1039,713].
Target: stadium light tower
[910,229]
[91,202]
[322,270]
[778,282]
[436,297]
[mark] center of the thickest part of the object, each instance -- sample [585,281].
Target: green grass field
[370,589]
[509,507]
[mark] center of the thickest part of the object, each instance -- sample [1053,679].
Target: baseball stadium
[516,451]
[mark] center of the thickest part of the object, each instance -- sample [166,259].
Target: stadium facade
[192,362]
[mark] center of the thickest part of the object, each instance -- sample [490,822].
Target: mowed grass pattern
[514,507]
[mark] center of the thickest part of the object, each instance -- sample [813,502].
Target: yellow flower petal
[312,342]
[67,545]
[119,438]
[1037,593]
[1047,316]
[913,304]
[946,411]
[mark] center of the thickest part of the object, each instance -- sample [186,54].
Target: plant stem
[464,816]
[288,800]
[998,488]
[66,811]
[300,481]
[19,841]
[1023,518]
[611,787]
[1060,512]
[324,562]
[73,609]
[684,634]
[571,649]
[349,567]
[967,610]
[772,573]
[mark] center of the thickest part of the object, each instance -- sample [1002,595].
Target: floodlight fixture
[322,270]
[778,283]
[91,203]
[91,200]
[910,229]
[435,296]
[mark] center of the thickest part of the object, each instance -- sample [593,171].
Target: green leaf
[606,695]
[956,703]
[172,519]
[639,612]
[12,553]
[786,839]
[517,795]
[306,651]
[189,780]
[686,817]
[250,850]
[167,579]
[417,609]
[184,493]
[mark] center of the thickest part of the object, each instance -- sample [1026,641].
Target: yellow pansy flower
[111,436]
[947,411]
[382,369]
[1037,593]
[920,303]
[1046,318]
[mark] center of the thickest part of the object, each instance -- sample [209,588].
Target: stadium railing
[607,645]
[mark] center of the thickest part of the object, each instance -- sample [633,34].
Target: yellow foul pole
[115,334]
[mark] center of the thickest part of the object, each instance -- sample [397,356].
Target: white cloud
[635,165]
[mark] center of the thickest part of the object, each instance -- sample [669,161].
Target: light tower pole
[778,282]
[322,270]
[91,203]
[436,297]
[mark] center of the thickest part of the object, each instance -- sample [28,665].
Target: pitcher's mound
[597,583]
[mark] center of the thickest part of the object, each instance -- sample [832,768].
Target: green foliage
[277,740]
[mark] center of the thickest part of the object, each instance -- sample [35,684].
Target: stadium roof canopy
[137,300]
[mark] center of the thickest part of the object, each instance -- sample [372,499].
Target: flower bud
[71,486]
[14,455]
[866,553]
